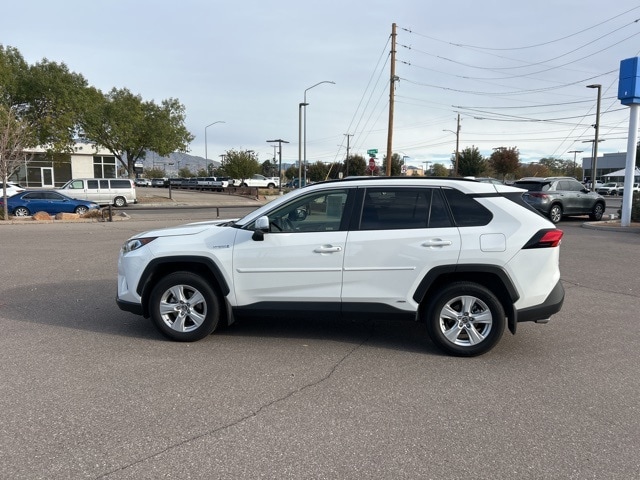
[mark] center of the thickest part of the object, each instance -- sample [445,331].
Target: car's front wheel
[81,210]
[119,201]
[597,212]
[465,319]
[21,212]
[184,307]
[555,214]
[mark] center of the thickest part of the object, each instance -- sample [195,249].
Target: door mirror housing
[260,228]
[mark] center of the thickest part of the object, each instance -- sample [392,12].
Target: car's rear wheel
[271,185]
[81,210]
[119,201]
[555,214]
[465,319]
[21,212]
[184,307]
[597,212]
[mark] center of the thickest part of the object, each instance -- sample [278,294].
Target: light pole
[305,125]
[300,105]
[206,155]
[595,143]
[279,142]
[574,160]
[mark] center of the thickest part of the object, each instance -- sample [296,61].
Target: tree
[270,168]
[317,172]
[396,165]
[471,163]
[46,95]
[15,135]
[128,126]
[154,173]
[439,170]
[504,160]
[240,164]
[357,166]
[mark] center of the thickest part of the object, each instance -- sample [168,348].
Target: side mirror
[260,228]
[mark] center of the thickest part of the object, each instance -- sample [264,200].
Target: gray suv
[556,197]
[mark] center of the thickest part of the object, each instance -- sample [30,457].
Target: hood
[188,229]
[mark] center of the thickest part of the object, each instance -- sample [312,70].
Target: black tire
[555,213]
[271,185]
[597,212]
[184,307]
[81,210]
[465,333]
[21,212]
[119,202]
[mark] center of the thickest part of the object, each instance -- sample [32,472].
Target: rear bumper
[551,305]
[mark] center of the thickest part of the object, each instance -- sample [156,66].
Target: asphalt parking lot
[89,391]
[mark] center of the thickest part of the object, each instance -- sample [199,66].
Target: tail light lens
[538,195]
[547,238]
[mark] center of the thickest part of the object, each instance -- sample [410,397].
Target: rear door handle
[437,242]
[328,249]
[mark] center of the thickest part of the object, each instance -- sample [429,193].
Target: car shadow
[91,306]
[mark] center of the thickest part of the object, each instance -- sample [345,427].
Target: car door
[298,263]
[402,234]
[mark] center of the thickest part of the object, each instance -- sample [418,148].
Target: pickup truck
[259,181]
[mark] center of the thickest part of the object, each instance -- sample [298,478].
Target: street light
[595,143]
[574,160]
[279,142]
[206,155]
[305,125]
[300,105]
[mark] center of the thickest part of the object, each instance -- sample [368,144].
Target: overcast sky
[515,71]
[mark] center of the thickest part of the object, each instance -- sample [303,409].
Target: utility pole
[595,142]
[347,162]
[392,82]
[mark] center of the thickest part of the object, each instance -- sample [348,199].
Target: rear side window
[404,208]
[467,212]
[532,186]
[120,184]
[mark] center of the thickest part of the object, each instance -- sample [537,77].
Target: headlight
[136,243]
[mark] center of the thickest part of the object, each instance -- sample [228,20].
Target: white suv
[464,257]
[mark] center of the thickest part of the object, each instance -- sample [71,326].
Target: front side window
[317,212]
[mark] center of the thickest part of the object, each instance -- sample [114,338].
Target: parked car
[12,189]
[259,181]
[142,182]
[634,188]
[465,258]
[556,197]
[104,191]
[27,203]
[609,188]
[160,182]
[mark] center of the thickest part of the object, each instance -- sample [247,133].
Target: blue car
[27,203]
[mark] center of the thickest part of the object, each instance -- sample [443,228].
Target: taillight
[538,195]
[547,238]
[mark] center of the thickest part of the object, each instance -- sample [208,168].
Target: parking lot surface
[89,391]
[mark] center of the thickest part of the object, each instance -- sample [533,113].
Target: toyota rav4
[463,257]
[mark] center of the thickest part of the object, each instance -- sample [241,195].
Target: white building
[87,161]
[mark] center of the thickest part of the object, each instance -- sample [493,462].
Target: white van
[104,191]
